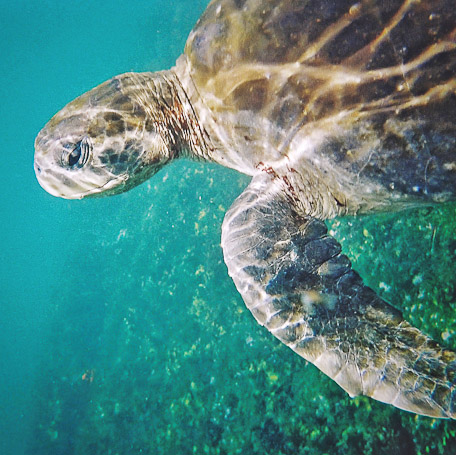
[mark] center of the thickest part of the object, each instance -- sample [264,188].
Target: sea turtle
[334,107]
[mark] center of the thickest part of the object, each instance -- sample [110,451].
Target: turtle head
[108,140]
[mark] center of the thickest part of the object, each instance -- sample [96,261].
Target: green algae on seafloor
[182,367]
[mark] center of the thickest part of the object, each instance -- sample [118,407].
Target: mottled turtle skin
[334,108]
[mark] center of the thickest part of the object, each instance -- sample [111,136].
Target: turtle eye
[76,156]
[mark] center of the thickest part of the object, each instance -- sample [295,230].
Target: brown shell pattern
[392,52]
[304,65]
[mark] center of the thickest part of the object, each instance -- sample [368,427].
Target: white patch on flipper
[310,300]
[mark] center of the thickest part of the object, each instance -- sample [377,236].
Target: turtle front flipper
[296,282]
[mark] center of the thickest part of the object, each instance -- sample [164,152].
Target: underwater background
[120,330]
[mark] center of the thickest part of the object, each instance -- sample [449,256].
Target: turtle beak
[51,182]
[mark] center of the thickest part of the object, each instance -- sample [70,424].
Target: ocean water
[120,330]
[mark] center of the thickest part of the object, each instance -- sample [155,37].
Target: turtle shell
[249,51]
[373,77]
[248,36]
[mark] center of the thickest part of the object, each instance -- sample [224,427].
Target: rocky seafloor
[150,349]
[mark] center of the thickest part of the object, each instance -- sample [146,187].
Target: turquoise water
[51,51]
[120,330]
